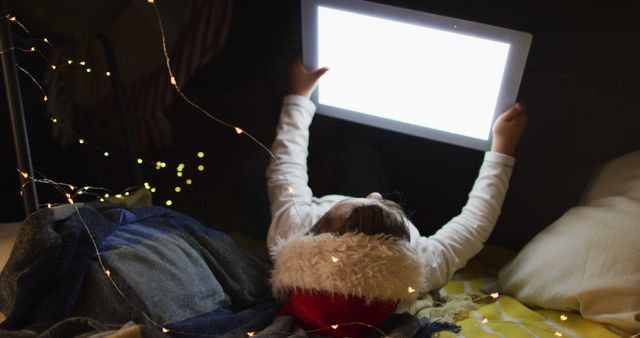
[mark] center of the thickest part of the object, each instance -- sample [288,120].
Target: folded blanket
[171,270]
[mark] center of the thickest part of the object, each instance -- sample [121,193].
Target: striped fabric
[508,318]
[195,33]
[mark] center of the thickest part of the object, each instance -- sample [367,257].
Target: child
[340,259]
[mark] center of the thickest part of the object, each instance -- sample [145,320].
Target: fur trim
[354,264]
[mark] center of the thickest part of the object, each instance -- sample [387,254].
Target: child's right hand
[508,128]
[301,81]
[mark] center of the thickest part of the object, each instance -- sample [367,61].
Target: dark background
[580,90]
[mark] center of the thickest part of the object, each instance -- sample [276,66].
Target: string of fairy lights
[70,191]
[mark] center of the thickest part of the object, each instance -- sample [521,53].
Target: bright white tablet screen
[414,72]
[409,73]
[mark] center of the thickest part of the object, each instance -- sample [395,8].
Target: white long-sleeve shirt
[295,210]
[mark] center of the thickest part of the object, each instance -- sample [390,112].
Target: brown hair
[382,218]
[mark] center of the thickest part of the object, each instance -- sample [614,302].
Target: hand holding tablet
[436,77]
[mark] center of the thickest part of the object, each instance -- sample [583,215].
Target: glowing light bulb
[146,185]
[108,273]
[33,49]
[484,321]
[163,164]
[53,67]
[334,259]
[335,327]
[45,40]
[108,73]
[200,154]
[411,290]
[238,130]
[82,63]
[81,141]
[45,98]
[173,81]
[119,196]
[106,154]
[189,181]
[168,202]
[102,200]
[48,205]
[88,70]
[80,192]
[13,18]
[153,190]
[165,330]
[563,317]
[180,166]
[106,195]
[25,175]
[250,334]
[201,168]
[150,1]
[179,173]
[139,161]
[69,61]
[558,334]
[126,193]
[290,189]
[178,189]
[54,120]
[495,295]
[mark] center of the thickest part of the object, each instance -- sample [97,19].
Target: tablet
[413,72]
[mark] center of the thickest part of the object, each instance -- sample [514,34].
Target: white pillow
[589,259]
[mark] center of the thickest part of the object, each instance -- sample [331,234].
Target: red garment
[320,310]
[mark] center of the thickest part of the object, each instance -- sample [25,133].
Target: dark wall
[579,89]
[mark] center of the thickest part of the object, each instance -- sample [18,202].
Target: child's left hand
[301,81]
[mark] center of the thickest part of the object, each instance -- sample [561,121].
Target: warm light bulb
[180,166]
[45,98]
[189,181]
[178,189]
[106,195]
[126,193]
[33,49]
[168,202]
[173,81]
[201,168]
[153,190]
[25,175]
[484,321]
[334,259]
[495,295]
[563,317]
[48,205]
[69,61]
[108,273]
[108,73]
[81,141]
[88,70]
[558,334]
[53,67]
[200,154]
[54,120]
[13,18]
[150,1]
[139,161]
[179,173]
[106,154]
[146,185]
[119,196]
[165,330]
[238,130]
[290,189]
[335,327]
[411,290]
[82,63]
[45,40]
[250,334]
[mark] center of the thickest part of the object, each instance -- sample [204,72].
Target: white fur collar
[353,264]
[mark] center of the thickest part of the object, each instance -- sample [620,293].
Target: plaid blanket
[171,270]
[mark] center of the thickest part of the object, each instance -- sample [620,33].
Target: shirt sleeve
[293,207]
[463,237]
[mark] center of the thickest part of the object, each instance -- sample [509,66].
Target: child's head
[371,216]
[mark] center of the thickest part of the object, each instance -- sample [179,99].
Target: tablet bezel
[519,48]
